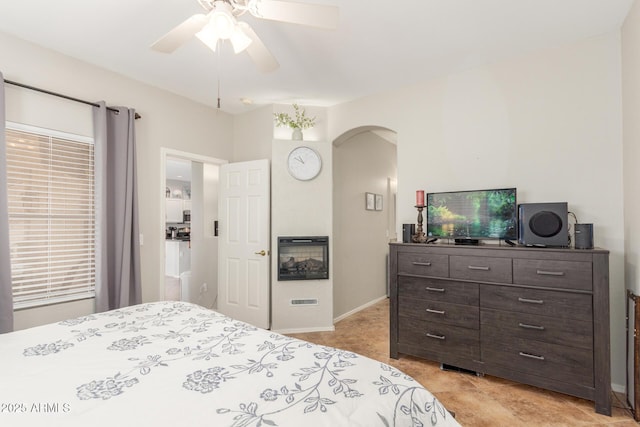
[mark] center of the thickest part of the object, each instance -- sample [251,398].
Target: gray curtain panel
[6,293]
[118,281]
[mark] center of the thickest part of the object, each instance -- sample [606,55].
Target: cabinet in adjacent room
[177,258]
[173,210]
[539,316]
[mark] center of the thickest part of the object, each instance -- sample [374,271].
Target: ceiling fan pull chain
[218,64]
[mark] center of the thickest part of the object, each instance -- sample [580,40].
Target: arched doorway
[364,165]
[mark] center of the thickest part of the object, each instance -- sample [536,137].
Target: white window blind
[50,179]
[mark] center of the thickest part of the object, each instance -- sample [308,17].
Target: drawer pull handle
[429,288]
[477,267]
[531,356]
[435,311]
[438,337]
[424,264]
[536,327]
[531,301]
[549,273]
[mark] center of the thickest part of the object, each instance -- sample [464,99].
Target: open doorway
[189,253]
[177,273]
[364,216]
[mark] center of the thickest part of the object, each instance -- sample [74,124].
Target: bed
[175,363]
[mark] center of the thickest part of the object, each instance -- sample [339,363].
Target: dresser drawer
[553,274]
[484,269]
[423,264]
[564,305]
[438,290]
[440,339]
[497,325]
[441,312]
[561,363]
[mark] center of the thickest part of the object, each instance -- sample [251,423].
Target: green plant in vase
[299,122]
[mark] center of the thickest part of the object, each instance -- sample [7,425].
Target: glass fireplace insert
[303,258]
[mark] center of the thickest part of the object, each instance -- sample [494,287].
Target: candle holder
[419,237]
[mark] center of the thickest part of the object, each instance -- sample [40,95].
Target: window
[50,180]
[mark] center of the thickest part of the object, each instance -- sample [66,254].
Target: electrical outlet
[203,288]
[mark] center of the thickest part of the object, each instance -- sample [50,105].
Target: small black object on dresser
[584,236]
[538,316]
[408,230]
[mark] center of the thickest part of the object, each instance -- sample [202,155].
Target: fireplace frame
[313,247]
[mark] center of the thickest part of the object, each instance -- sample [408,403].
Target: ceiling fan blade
[258,52]
[180,34]
[315,15]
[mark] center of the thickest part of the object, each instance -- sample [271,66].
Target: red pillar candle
[420,198]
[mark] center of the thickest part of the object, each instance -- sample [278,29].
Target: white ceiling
[178,169]
[378,46]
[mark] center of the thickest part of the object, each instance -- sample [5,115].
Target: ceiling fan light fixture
[222,25]
[239,40]
[223,22]
[209,36]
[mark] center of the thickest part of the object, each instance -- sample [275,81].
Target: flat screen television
[469,216]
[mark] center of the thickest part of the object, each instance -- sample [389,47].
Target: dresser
[538,316]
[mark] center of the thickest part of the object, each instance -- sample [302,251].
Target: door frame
[184,155]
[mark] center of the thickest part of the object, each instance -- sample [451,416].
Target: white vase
[297,134]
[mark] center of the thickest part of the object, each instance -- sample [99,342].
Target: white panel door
[243,274]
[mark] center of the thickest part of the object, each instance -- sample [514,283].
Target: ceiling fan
[220,23]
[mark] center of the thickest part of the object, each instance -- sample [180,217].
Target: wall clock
[304,163]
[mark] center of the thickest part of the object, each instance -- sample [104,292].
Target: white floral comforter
[174,363]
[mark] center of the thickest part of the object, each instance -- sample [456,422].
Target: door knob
[262,253]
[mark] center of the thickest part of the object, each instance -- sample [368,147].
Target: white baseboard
[618,388]
[357,309]
[304,330]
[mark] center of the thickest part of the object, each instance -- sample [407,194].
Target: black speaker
[584,236]
[543,224]
[408,230]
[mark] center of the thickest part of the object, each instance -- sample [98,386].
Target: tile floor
[477,401]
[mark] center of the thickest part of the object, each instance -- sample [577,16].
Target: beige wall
[631,150]
[631,144]
[548,123]
[300,208]
[167,121]
[253,135]
[254,132]
[361,164]
[204,245]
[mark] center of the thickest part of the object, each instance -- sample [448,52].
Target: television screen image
[480,214]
